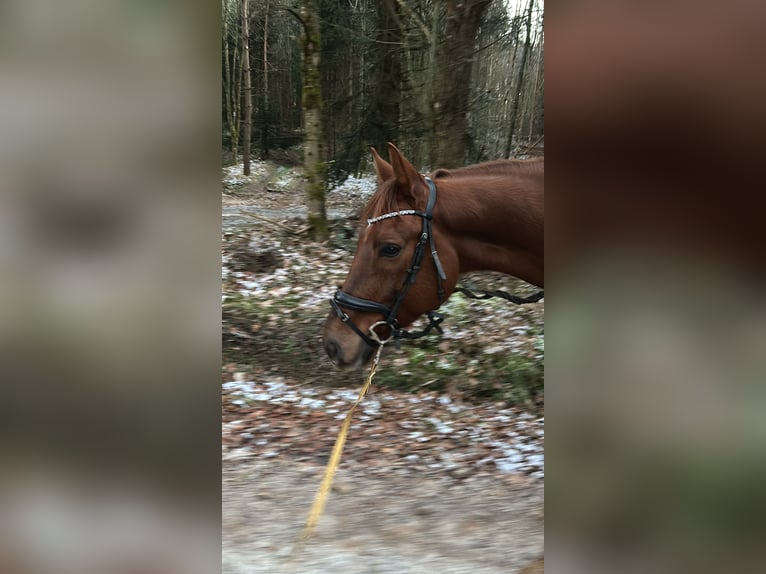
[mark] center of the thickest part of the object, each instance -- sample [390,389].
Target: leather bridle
[341,299]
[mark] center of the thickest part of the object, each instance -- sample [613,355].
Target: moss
[506,377]
[251,325]
[318,227]
[311,43]
[315,193]
[315,178]
[312,91]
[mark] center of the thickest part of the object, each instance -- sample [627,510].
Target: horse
[421,233]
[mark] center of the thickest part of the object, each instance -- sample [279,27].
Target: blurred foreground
[404,521]
[656,354]
[109,308]
[110,296]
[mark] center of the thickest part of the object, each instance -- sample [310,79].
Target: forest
[307,88]
[451,82]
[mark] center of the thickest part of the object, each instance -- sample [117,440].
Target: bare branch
[414,16]
[301,20]
[281,226]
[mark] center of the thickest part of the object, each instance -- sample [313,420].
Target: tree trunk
[247,124]
[230,88]
[453,82]
[534,99]
[265,107]
[518,83]
[314,167]
[383,123]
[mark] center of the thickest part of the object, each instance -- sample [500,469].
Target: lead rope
[332,465]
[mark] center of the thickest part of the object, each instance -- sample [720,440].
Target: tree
[231,80]
[452,84]
[265,119]
[518,85]
[383,118]
[314,167]
[392,70]
[247,124]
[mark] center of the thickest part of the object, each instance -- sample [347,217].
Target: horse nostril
[332,349]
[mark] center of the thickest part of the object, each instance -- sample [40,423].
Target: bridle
[341,299]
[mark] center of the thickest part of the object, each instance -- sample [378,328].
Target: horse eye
[390,250]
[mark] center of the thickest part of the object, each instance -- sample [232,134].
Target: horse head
[396,274]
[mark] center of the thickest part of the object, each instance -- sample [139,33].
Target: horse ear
[408,180]
[382,167]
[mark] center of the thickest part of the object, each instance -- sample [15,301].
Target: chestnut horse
[421,234]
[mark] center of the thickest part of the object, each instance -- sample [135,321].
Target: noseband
[342,300]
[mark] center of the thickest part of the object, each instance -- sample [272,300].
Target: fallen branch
[276,223]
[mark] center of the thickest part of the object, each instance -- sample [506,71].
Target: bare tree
[452,86]
[518,83]
[383,118]
[535,87]
[231,83]
[247,124]
[265,87]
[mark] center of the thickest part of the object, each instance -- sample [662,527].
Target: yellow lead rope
[332,465]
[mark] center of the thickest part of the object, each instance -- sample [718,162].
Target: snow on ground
[285,178]
[356,186]
[233,176]
[427,431]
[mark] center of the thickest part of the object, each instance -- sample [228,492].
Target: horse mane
[384,199]
[489,168]
[502,174]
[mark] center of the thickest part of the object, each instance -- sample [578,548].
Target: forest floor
[443,468]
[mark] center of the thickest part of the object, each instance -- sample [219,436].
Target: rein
[534,298]
[342,299]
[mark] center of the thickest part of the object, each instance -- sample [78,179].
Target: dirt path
[402,522]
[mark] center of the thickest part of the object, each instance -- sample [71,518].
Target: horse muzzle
[347,353]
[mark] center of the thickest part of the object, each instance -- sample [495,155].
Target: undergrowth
[281,337]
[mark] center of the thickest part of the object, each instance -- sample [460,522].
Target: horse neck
[494,223]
